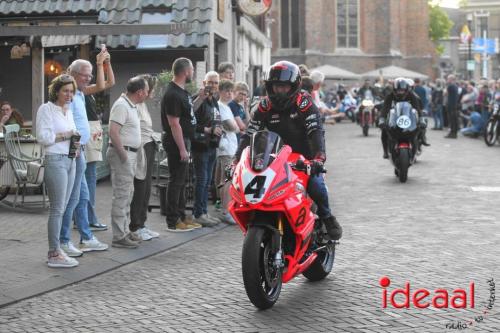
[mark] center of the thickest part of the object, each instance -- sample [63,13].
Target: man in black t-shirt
[453,99]
[178,122]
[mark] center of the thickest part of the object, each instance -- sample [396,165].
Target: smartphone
[75,138]
[208,90]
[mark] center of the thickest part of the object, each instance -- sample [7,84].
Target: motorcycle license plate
[403,122]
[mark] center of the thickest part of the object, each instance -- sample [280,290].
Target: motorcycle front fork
[277,245]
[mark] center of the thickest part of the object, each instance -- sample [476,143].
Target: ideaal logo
[423,298]
[440,299]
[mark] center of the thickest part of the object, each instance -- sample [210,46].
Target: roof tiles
[197,12]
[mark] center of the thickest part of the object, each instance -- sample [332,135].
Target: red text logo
[423,298]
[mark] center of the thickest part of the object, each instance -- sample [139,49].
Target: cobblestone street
[439,230]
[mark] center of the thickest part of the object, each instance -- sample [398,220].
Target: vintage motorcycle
[492,132]
[283,237]
[403,142]
[366,115]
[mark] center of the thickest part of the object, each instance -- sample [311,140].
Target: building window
[347,23]
[290,24]
[154,41]
[220,10]
[220,51]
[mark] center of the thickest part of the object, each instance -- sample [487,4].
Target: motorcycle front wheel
[404,164]
[261,278]
[490,134]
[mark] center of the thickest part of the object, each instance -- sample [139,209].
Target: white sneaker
[141,234]
[61,261]
[212,218]
[72,260]
[70,250]
[205,221]
[227,218]
[92,244]
[152,233]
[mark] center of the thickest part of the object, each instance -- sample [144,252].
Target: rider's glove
[422,123]
[317,167]
[381,123]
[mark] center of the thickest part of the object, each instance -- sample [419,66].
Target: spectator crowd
[202,130]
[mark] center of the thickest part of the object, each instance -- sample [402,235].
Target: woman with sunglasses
[54,128]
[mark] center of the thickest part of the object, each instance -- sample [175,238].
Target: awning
[53,41]
[392,72]
[332,72]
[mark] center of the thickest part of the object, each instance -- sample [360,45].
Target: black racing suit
[301,128]
[389,101]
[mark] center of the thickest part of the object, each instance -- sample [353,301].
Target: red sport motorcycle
[283,237]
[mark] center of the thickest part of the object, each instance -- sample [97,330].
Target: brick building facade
[357,35]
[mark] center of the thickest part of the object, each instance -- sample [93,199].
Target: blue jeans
[438,116]
[316,189]
[485,116]
[204,167]
[477,124]
[91,178]
[77,204]
[59,178]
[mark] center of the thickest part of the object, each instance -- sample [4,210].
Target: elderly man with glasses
[81,70]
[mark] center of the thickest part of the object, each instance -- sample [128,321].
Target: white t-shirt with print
[228,142]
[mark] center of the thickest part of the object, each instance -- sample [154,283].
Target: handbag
[93,148]
[35,173]
[200,141]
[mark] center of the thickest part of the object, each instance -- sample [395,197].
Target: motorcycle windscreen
[264,148]
[403,117]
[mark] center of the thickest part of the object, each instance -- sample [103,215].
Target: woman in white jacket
[54,128]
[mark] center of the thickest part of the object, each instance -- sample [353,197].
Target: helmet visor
[282,73]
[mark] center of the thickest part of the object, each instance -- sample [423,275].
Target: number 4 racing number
[256,187]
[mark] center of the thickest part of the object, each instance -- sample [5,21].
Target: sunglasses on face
[65,78]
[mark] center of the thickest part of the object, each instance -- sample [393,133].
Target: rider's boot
[424,140]
[333,228]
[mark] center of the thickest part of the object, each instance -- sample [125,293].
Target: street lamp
[469,42]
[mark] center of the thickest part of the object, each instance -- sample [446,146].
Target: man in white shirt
[125,139]
[227,146]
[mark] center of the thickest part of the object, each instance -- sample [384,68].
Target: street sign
[484,44]
[471,65]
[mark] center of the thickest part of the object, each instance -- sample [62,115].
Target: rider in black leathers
[402,92]
[291,114]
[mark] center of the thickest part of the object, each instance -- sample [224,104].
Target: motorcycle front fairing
[275,189]
[402,124]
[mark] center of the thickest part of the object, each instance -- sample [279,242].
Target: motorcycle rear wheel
[404,164]
[490,134]
[261,279]
[365,130]
[323,264]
